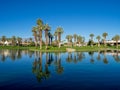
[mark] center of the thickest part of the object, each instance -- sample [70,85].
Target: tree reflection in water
[41,68]
[116,56]
[92,59]
[38,69]
[98,56]
[59,68]
[104,57]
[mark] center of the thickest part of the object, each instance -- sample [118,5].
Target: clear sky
[17,17]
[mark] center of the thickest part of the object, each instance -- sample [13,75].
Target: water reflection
[42,63]
[38,70]
[75,57]
[14,54]
[91,55]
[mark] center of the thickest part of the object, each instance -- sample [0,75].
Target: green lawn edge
[62,49]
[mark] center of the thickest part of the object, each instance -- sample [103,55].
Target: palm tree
[3,39]
[79,39]
[30,40]
[19,40]
[98,38]
[91,36]
[13,40]
[55,34]
[104,36]
[34,30]
[51,38]
[46,29]
[59,31]
[68,39]
[40,29]
[116,38]
[75,38]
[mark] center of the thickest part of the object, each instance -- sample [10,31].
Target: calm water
[22,69]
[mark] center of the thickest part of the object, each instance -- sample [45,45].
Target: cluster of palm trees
[15,41]
[77,39]
[104,35]
[38,32]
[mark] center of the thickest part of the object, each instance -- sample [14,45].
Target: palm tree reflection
[98,57]
[59,68]
[116,56]
[92,59]
[104,57]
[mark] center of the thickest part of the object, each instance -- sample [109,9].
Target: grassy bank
[62,49]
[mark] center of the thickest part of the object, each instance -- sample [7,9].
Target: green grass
[62,49]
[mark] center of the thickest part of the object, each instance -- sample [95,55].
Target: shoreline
[62,49]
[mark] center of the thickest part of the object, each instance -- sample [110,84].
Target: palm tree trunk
[40,39]
[35,41]
[98,43]
[116,44]
[46,36]
[105,43]
[56,38]
[59,38]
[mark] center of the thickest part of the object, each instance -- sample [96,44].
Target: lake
[23,69]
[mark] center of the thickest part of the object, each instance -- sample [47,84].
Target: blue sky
[17,17]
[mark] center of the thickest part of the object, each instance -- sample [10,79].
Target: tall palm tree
[40,29]
[34,30]
[55,34]
[116,38]
[3,39]
[75,38]
[46,29]
[104,36]
[98,38]
[91,36]
[59,31]
[50,38]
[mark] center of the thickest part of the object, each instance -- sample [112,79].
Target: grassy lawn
[62,49]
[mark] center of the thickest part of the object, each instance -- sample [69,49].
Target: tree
[91,36]
[69,38]
[104,36]
[55,34]
[19,40]
[79,39]
[46,29]
[116,38]
[98,38]
[75,38]
[59,31]
[13,40]
[3,39]
[40,29]
[34,30]
[50,38]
